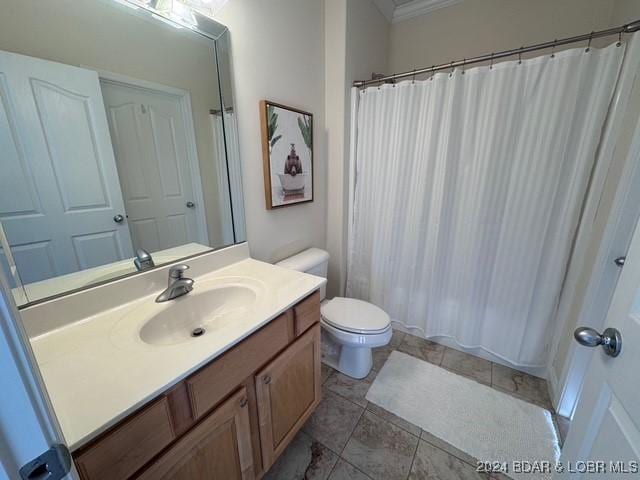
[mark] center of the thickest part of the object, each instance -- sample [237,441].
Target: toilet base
[355,362]
[349,353]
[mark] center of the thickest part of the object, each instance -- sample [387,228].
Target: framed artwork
[287,150]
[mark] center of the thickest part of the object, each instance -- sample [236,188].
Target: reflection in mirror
[226,128]
[119,144]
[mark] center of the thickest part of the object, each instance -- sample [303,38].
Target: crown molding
[398,13]
[420,7]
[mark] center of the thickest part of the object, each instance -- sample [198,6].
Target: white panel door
[59,188]
[150,143]
[606,425]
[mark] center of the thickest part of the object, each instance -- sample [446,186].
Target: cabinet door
[288,390]
[219,447]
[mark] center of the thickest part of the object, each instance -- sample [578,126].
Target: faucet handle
[177,271]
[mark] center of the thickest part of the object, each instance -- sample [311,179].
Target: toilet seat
[355,316]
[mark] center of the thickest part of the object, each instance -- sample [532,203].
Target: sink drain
[197,332]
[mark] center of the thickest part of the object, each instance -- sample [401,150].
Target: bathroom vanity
[229,419]
[138,395]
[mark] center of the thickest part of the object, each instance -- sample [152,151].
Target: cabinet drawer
[306,313]
[129,446]
[215,381]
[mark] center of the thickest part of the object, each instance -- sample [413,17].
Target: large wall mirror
[118,142]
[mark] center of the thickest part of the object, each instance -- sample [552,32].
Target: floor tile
[333,421]
[522,385]
[325,372]
[380,356]
[380,449]
[351,388]
[431,463]
[447,447]
[475,368]
[345,471]
[396,338]
[397,421]
[422,349]
[304,458]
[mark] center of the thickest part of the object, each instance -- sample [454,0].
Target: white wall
[278,54]
[476,27]
[336,102]
[356,36]
[625,11]
[303,53]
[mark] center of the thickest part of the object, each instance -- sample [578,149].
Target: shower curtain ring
[589,42]
[491,63]
[393,80]
[464,63]
[413,79]
[451,71]
[433,69]
[520,55]
[553,48]
[619,42]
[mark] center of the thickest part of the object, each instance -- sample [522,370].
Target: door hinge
[54,464]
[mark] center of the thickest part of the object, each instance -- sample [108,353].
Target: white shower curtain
[469,188]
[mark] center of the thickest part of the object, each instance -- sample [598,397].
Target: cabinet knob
[243,402]
[267,379]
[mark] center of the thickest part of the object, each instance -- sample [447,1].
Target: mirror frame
[212,30]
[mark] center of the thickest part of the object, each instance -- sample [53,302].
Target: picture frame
[287,151]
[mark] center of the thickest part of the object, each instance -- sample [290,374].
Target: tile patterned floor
[348,438]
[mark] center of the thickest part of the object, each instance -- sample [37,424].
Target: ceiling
[398,10]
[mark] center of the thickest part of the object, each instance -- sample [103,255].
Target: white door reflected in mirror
[60,192]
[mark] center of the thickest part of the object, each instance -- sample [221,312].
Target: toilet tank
[312,260]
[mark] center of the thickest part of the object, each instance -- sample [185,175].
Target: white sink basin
[209,307]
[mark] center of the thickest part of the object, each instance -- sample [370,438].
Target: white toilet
[354,326]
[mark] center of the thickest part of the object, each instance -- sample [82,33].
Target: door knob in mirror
[118,218]
[611,340]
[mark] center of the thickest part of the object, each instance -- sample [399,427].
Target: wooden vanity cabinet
[217,447]
[288,391]
[129,446]
[229,420]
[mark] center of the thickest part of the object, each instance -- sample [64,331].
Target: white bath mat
[487,424]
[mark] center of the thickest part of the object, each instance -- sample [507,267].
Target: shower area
[469,187]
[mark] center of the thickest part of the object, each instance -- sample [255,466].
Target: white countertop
[95,379]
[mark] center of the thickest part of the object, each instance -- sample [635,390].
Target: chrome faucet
[178,285]
[143,260]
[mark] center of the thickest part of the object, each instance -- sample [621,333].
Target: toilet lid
[355,316]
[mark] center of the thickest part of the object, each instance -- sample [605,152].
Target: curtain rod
[628,28]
